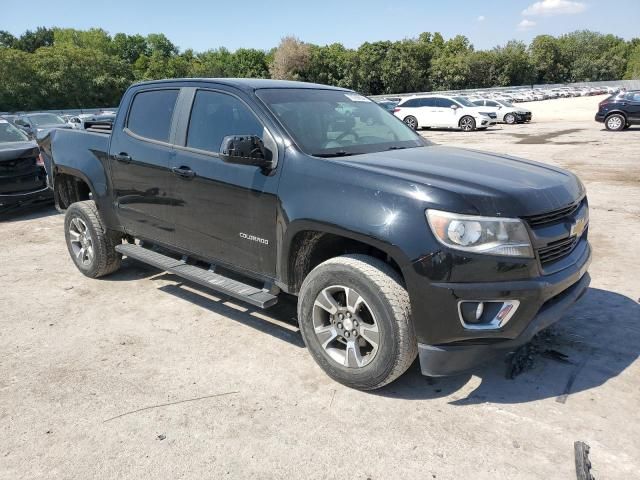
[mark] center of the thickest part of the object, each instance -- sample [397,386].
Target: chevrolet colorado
[395,247]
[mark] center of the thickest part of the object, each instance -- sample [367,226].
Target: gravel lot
[140,375]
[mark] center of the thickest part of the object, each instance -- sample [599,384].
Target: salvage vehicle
[393,246]
[23,179]
[426,111]
[620,111]
[34,124]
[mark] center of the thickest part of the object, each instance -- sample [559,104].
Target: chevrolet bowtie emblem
[578,227]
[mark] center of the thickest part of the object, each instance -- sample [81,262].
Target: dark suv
[620,111]
[394,247]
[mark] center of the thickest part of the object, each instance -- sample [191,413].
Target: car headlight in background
[487,235]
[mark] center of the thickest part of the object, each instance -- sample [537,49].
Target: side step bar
[233,288]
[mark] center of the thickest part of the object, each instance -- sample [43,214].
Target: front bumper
[600,117]
[42,195]
[543,300]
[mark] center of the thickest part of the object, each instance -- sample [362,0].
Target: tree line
[56,68]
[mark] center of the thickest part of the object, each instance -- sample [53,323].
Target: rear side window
[428,102]
[151,113]
[489,103]
[480,103]
[410,103]
[444,102]
[214,116]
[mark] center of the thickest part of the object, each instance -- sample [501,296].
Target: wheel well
[70,189]
[310,248]
[616,112]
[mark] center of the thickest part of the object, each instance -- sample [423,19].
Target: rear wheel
[90,244]
[510,118]
[615,122]
[467,124]
[354,317]
[411,122]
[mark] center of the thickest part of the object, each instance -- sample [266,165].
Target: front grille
[553,216]
[557,250]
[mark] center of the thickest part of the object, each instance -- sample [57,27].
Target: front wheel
[615,122]
[510,118]
[467,124]
[354,316]
[92,247]
[411,122]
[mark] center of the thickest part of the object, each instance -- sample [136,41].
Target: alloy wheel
[345,326]
[614,123]
[81,242]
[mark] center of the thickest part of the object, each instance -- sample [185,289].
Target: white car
[504,111]
[442,111]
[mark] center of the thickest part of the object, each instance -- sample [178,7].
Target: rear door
[140,165]
[633,106]
[224,213]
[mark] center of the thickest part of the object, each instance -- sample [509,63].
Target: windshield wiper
[396,148]
[341,153]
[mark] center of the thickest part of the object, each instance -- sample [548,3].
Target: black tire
[104,259]
[411,122]
[467,123]
[510,118]
[381,288]
[615,122]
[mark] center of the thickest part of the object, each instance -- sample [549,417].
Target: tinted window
[414,102]
[151,112]
[635,97]
[480,103]
[214,116]
[444,102]
[490,103]
[428,102]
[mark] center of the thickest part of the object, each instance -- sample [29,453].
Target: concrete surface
[117,378]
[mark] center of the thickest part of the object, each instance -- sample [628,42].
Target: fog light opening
[486,314]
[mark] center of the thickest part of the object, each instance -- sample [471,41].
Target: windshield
[45,119]
[464,102]
[506,104]
[327,123]
[9,133]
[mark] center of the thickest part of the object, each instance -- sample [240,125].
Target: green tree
[161,45]
[633,65]
[290,60]
[18,91]
[129,47]
[30,41]
[7,40]
[547,60]
[94,38]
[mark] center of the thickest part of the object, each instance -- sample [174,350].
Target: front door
[226,212]
[140,166]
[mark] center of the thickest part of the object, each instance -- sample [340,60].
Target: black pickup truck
[394,247]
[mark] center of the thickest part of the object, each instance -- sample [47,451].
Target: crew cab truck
[394,247]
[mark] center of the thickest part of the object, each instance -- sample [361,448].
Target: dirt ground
[140,375]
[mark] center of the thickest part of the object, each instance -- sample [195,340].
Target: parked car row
[461,112]
[541,93]
[36,124]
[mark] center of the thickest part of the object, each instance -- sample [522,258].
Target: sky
[203,25]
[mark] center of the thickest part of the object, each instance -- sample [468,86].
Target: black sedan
[23,179]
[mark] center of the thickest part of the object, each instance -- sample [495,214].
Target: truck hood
[488,184]
[13,150]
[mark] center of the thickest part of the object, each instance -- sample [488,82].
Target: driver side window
[215,115]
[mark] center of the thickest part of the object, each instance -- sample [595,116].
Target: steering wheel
[344,134]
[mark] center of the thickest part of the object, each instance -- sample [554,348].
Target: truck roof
[249,84]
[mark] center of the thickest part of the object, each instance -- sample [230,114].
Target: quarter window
[151,113]
[216,115]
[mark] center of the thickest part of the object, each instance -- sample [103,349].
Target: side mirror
[455,107]
[246,150]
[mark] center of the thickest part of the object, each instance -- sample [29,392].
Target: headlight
[487,235]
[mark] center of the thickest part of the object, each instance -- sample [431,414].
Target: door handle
[184,172]
[122,157]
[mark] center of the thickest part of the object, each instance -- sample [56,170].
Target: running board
[207,278]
